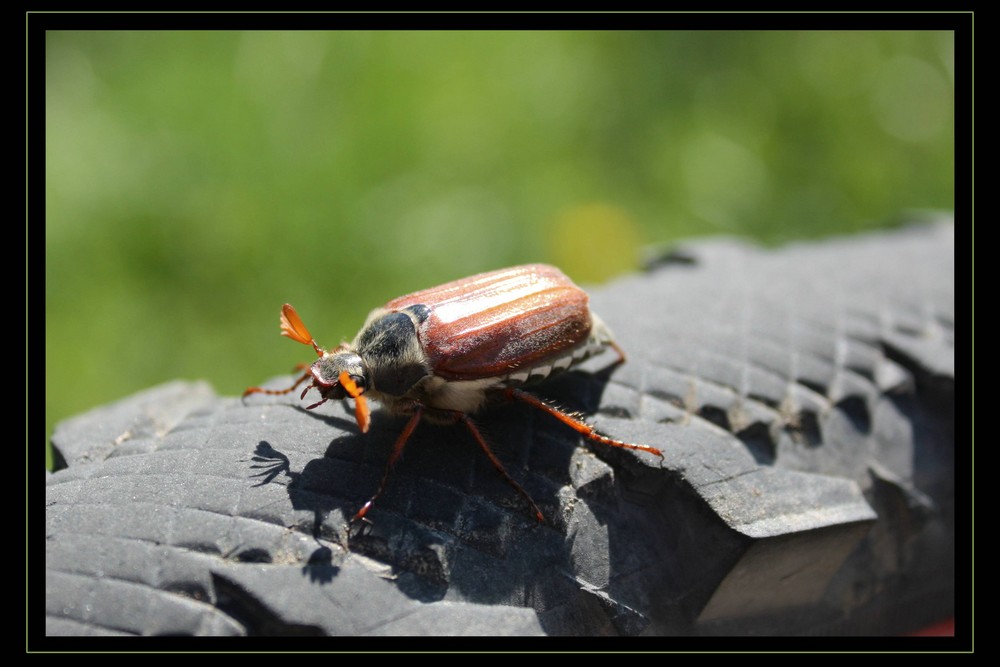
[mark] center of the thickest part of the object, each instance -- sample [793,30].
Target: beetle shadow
[308,490]
[447,521]
[609,537]
[444,509]
[334,486]
[577,391]
[340,423]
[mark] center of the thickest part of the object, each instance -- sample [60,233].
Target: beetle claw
[360,515]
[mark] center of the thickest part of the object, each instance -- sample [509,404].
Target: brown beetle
[442,352]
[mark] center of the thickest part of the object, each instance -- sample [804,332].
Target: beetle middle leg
[397,451]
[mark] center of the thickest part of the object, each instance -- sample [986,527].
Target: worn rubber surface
[803,398]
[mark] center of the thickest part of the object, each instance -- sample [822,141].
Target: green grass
[195,181]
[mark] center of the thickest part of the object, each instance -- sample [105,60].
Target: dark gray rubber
[803,398]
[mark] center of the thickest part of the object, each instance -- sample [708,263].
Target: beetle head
[337,374]
[340,374]
[326,373]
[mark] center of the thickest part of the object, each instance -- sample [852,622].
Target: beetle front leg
[279,392]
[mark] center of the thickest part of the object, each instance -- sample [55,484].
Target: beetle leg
[603,335]
[577,425]
[465,419]
[277,392]
[621,353]
[397,451]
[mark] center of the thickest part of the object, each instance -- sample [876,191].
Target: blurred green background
[195,181]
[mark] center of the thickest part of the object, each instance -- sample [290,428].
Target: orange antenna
[293,327]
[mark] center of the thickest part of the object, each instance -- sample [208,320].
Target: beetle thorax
[391,352]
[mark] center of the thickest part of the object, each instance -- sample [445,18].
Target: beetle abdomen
[549,366]
[502,323]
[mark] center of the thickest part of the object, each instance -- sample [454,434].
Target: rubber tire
[803,398]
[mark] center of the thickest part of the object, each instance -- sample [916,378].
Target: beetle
[443,352]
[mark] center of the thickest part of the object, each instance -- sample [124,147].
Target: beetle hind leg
[601,334]
[577,425]
[619,351]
